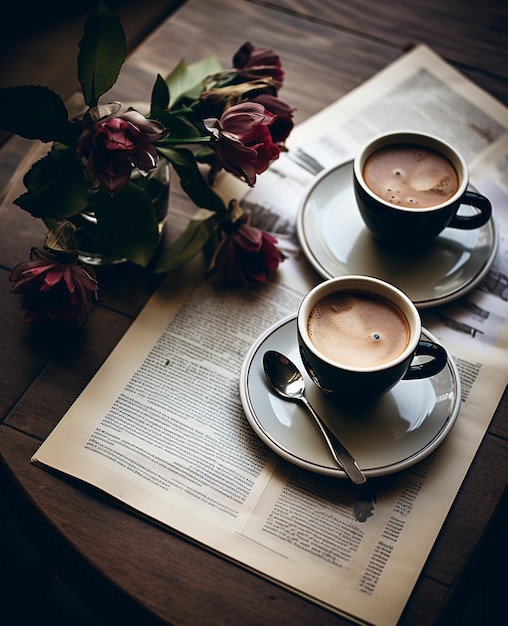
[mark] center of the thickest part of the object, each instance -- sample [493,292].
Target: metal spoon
[288,382]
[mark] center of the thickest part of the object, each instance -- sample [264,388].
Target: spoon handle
[339,452]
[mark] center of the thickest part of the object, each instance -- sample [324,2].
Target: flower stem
[174,141]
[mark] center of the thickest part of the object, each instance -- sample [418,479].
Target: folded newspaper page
[163,426]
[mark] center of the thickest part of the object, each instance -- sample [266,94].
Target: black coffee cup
[409,187]
[373,343]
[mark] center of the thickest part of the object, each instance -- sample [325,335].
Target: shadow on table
[31,593]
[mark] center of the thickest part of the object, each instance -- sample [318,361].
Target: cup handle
[469,222]
[431,367]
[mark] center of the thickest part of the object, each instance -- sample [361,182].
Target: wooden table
[126,569]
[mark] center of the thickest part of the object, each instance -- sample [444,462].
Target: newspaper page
[161,426]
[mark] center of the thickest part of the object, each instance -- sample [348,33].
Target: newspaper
[161,426]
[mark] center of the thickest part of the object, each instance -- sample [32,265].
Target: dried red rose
[245,255]
[258,63]
[54,287]
[113,143]
[283,124]
[242,141]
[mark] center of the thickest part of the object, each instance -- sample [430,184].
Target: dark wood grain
[321,63]
[130,570]
[469,34]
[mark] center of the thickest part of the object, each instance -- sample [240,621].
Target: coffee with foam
[358,329]
[410,175]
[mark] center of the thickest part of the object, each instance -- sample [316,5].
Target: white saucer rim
[398,466]
[420,304]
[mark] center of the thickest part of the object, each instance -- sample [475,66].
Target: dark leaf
[160,94]
[186,247]
[34,112]
[178,127]
[205,155]
[192,180]
[102,51]
[211,245]
[56,186]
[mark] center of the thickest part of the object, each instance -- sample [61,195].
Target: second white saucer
[336,242]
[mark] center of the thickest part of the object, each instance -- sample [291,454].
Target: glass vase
[92,249]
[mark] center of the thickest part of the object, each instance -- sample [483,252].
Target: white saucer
[402,428]
[336,242]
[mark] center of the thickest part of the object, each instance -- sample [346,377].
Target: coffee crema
[358,329]
[410,175]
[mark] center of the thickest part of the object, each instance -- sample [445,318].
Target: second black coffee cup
[409,187]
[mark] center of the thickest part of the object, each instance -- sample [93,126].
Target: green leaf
[102,51]
[34,112]
[160,94]
[192,181]
[205,155]
[127,222]
[185,81]
[211,245]
[178,127]
[56,186]
[186,247]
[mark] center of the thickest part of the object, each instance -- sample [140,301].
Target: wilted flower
[54,286]
[113,143]
[283,124]
[255,63]
[242,142]
[245,255]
